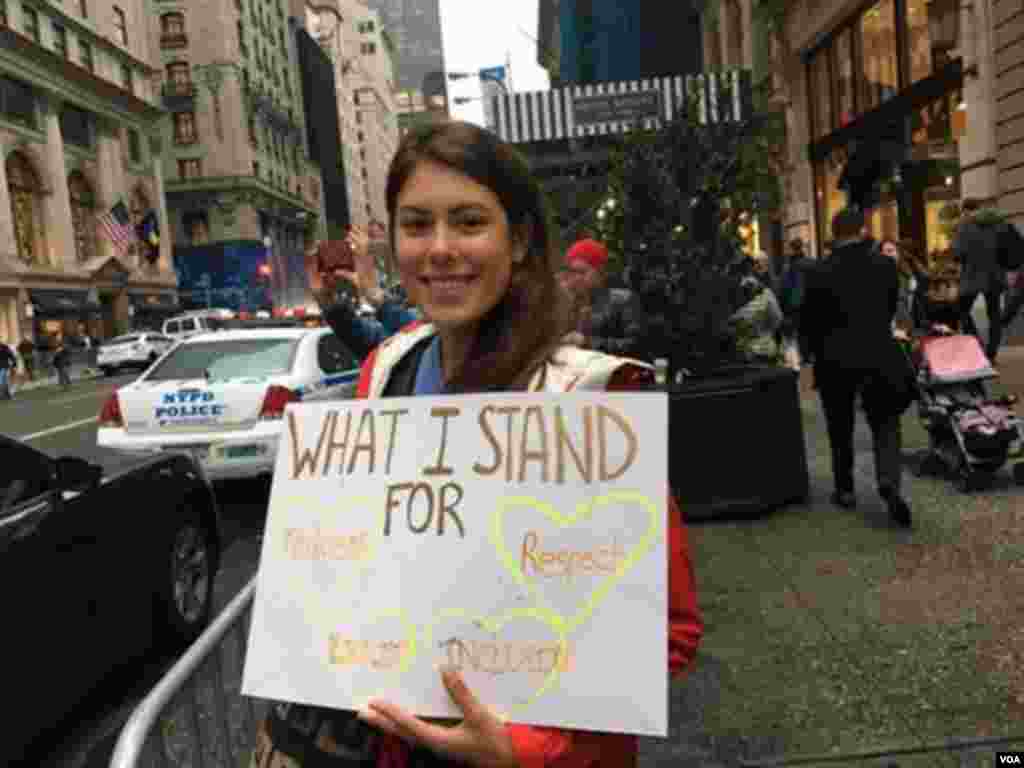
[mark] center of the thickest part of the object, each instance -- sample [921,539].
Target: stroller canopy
[954,359]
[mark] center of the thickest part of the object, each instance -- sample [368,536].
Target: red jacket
[543,747]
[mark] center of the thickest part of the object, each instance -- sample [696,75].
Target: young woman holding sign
[474,247]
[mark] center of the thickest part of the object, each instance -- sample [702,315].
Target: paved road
[60,423]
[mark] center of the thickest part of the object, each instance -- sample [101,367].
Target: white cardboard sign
[518,537]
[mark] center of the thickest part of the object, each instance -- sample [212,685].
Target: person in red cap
[604,318]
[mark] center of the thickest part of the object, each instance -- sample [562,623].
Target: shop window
[845,82]
[880,78]
[829,198]
[26,193]
[197,227]
[821,93]
[933,32]
[172,30]
[83,216]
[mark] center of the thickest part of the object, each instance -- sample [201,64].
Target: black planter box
[736,442]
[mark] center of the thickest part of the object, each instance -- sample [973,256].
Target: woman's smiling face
[453,247]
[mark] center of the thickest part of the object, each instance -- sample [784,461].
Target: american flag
[117,226]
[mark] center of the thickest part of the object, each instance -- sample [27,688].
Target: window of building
[368,48]
[85,55]
[30,20]
[185,127]
[821,92]
[3,13]
[83,8]
[190,168]
[26,193]
[83,216]
[933,33]
[197,227]
[17,101]
[76,126]
[60,41]
[172,30]
[880,78]
[830,199]
[179,77]
[134,146]
[256,168]
[845,81]
[127,78]
[365,26]
[121,25]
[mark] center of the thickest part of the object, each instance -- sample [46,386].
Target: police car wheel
[186,590]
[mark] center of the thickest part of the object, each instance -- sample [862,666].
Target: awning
[66,301]
[146,301]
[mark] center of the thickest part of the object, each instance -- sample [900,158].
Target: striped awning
[605,108]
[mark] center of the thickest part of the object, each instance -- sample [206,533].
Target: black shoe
[844,499]
[899,510]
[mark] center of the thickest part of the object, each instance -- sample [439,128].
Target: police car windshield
[252,358]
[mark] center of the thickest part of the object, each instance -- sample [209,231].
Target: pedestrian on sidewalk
[27,352]
[62,361]
[8,362]
[976,246]
[792,289]
[848,314]
[604,318]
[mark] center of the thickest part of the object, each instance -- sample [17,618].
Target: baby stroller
[971,433]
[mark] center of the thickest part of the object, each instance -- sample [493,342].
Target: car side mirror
[75,474]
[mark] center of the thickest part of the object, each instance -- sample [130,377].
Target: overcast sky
[477,34]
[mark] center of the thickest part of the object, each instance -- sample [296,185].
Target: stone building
[939,80]
[352,34]
[242,189]
[79,131]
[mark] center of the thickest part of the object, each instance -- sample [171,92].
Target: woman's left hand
[480,739]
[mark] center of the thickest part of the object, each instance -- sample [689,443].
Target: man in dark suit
[847,318]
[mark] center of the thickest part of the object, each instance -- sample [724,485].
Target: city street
[62,423]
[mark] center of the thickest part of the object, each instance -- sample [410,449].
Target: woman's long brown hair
[520,332]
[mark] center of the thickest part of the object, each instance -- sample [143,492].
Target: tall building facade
[938,81]
[242,187]
[415,28]
[354,37]
[80,123]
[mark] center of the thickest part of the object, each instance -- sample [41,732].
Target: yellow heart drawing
[359,651]
[494,624]
[584,511]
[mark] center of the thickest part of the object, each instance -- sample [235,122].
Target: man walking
[976,247]
[8,362]
[62,361]
[847,318]
[791,296]
[27,352]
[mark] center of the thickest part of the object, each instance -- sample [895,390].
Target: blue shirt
[430,375]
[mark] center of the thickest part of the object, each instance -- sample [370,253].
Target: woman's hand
[480,739]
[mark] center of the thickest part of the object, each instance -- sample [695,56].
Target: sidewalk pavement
[834,638]
[77,372]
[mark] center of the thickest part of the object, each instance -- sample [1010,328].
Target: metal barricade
[196,715]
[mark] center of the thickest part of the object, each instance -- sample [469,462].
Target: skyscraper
[415,28]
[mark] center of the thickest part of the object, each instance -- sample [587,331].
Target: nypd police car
[221,396]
